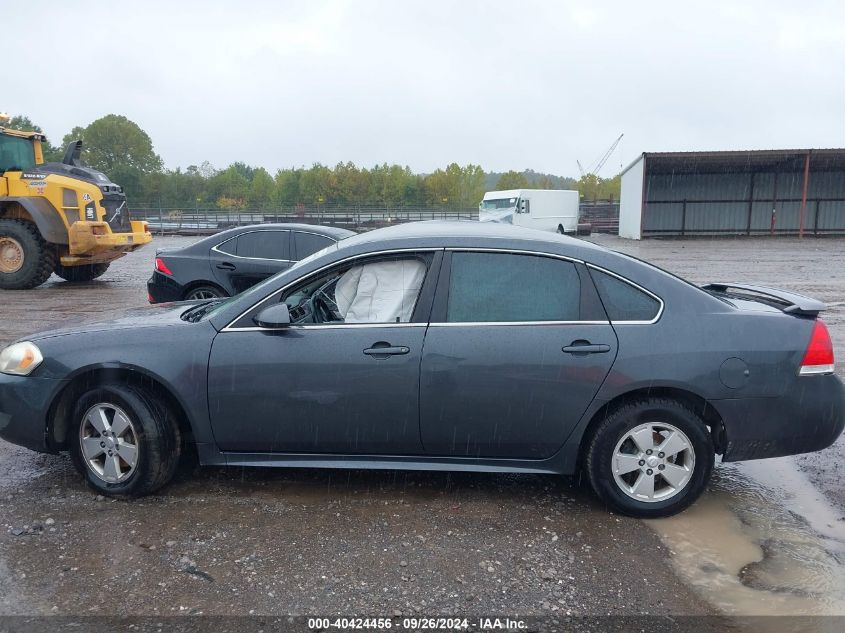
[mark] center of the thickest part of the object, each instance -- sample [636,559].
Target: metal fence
[604,216]
[209,221]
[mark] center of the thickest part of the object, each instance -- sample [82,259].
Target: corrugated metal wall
[721,203]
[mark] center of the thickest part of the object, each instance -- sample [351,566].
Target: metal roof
[824,159]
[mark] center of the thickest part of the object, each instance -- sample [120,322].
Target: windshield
[499,203]
[16,154]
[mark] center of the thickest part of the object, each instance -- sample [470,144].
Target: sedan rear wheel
[650,458]
[203,292]
[126,442]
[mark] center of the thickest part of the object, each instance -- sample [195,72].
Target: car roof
[461,232]
[330,231]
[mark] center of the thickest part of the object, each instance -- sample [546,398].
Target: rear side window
[229,247]
[503,287]
[264,245]
[306,244]
[622,301]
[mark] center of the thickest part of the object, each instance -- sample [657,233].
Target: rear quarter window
[306,244]
[623,301]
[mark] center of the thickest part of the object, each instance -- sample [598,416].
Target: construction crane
[596,168]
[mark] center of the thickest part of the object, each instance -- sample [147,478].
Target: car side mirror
[525,206]
[274,316]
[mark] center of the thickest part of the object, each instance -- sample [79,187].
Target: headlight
[20,359]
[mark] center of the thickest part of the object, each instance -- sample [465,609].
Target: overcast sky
[507,85]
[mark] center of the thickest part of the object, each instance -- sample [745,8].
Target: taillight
[818,359]
[162,267]
[150,298]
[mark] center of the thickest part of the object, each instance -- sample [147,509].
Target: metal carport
[793,192]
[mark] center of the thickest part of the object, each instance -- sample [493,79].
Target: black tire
[600,449]
[204,291]
[39,257]
[86,272]
[158,440]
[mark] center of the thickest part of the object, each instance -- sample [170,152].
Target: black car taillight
[818,359]
[162,267]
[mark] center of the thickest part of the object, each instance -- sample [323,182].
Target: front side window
[503,287]
[378,290]
[16,154]
[622,301]
[264,245]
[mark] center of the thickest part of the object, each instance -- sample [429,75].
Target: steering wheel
[323,306]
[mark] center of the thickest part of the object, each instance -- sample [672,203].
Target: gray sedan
[443,346]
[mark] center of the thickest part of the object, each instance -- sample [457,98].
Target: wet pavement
[768,537]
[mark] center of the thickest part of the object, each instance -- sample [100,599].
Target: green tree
[286,190]
[23,123]
[119,148]
[261,189]
[512,180]
[113,142]
[229,188]
[592,187]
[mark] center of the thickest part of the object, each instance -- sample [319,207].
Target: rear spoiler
[789,302]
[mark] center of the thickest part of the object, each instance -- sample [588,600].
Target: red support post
[803,211]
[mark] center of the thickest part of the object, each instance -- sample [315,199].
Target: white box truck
[544,209]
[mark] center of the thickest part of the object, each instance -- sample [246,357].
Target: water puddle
[762,541]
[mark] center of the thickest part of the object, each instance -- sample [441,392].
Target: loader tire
[86,272]
[26,260]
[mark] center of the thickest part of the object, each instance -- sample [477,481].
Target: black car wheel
[204,292]
[124,441]
[86,272]
[650,458]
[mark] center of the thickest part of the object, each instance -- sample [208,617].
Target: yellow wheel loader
[60,218]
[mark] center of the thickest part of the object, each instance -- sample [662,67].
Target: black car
[232,261]
[442,346]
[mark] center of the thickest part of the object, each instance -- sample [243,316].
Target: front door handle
[585,347]
[382,350]
[226,266]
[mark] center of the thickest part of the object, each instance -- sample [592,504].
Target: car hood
[158,315]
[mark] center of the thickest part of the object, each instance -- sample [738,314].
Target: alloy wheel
[202,293]
[653,462]
[109,443]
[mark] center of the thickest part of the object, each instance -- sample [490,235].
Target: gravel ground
[242,541]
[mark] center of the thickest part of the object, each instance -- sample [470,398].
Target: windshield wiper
[198,312]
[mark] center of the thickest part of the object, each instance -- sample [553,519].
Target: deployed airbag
[380,292]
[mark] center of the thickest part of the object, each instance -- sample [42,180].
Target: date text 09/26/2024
[417,624]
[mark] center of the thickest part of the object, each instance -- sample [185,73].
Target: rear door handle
[383,350]
[226,266]
[585,347]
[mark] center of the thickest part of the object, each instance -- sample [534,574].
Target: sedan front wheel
[650,458]
[125,442]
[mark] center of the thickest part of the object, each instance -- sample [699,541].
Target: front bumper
[809,417]
[24,405]
[94,242]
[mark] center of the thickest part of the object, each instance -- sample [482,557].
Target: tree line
[121,149]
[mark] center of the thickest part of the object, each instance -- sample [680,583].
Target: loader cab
[19,151]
